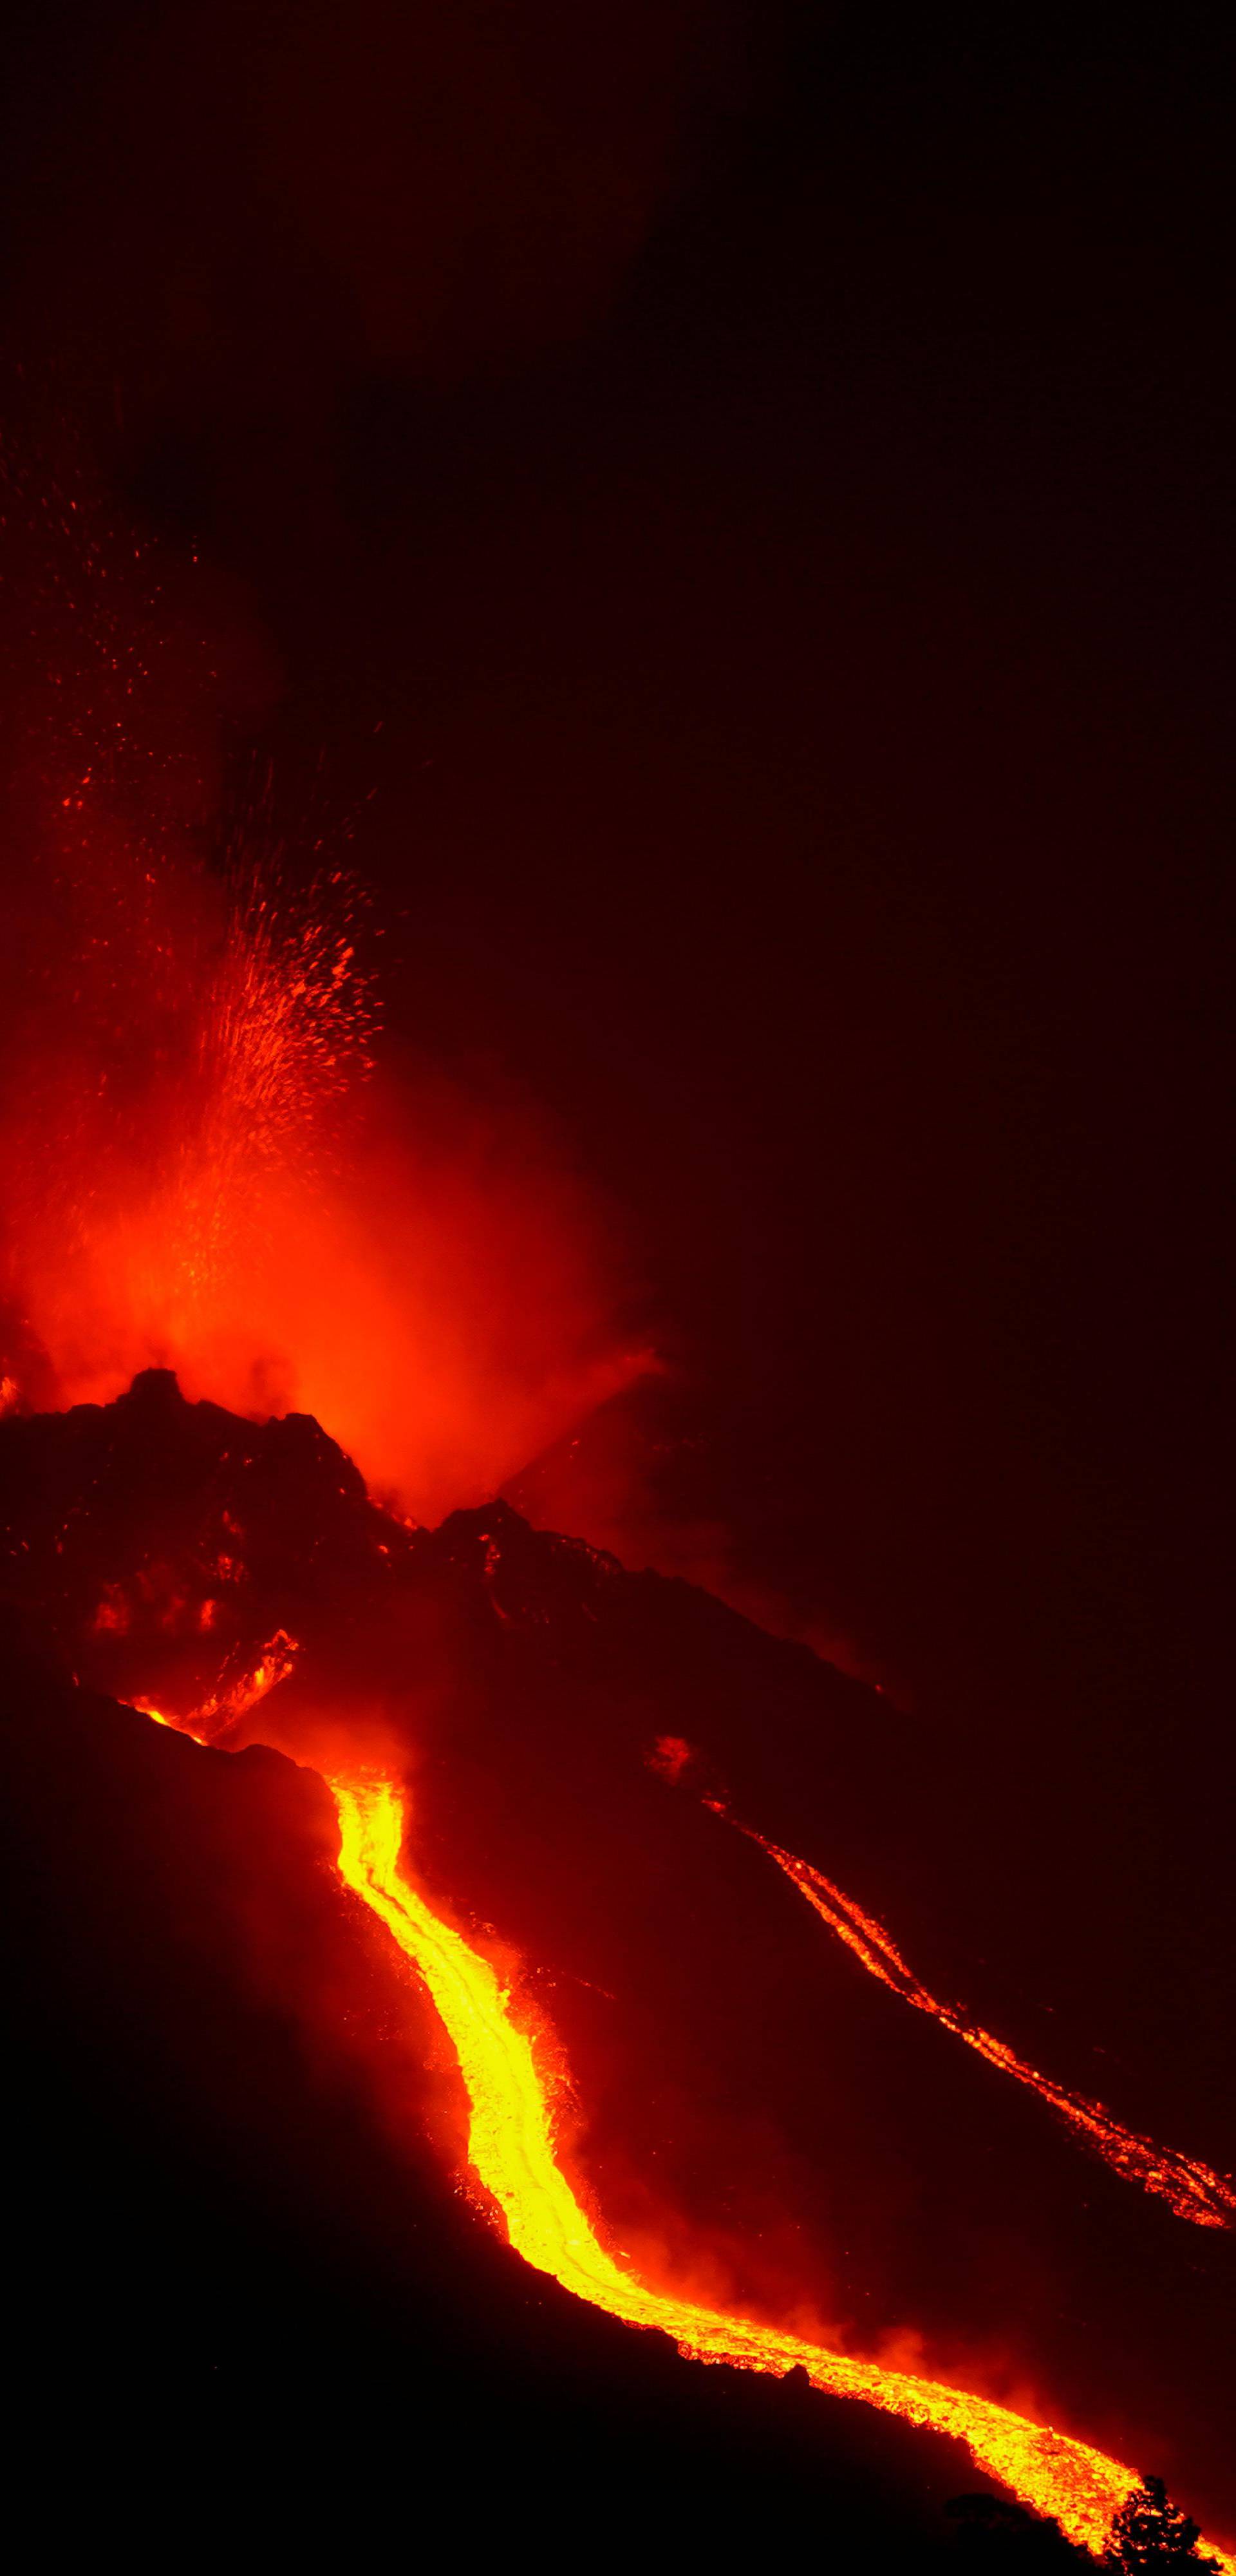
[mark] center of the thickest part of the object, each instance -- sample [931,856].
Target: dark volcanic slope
[753,2114]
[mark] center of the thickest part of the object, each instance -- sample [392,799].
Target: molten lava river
[477,1699]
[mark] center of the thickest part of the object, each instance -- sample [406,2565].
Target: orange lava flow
[1188,2186]
[511,2152]
[234,1698]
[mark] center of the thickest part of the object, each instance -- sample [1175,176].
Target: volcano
[428,1811]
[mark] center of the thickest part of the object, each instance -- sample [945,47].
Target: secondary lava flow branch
[1189,2187]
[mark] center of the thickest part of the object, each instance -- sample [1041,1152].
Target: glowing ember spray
[198,1173]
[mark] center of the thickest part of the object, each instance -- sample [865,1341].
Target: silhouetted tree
[1150,2534]
[994,2533]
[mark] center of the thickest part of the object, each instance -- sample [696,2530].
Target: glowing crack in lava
[511,2151]
[1188,2186]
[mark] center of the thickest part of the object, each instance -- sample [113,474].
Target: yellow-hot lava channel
[511,2151]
